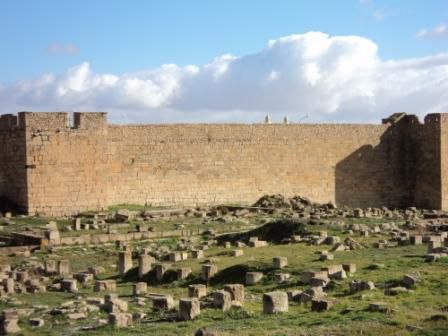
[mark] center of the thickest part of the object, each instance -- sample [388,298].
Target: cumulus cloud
[329,78]
[62,49]
[439,31]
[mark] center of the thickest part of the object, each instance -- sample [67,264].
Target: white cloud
[329,78]
[439,31]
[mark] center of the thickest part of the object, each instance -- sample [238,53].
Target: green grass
[348,317]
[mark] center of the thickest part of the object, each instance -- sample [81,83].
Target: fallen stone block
[105,285]
[69,285]
[320,305]
[183,273]
[281,277]
[349,268]
[253,277]
[409,281]
[189,309]
[197,291]
[208,271]
[236,291]
[164,302]
[275,302]
[161,269]
[279,262]
[120,320]
[222,300]
[357,286]
[237,253]
[380,307]
[139,288]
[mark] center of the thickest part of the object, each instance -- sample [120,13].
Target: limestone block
[237,253]
[120,320]
[197,291]
[183,273]
[279,262]
[189,309]
[197,254]
[275,302]
[50,266]
[253,277]
[63,267]
[105,285]
[236,291]
[164,302]
[139,288]
[349,268]
[222,300]
[208,271]
[69,285]
[124,262]
[161,270]
[175,257]
[144,264]
[320,305]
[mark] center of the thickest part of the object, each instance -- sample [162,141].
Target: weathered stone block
[105,285]
[253,277]
[208,271]
[197,254]
[69,285]
[144,264]
[183,273]
[63,267]
[222,300]
[275,302]
[189,309]
[319,305]
[279,262]
[139,288]
[120,320]
[124,262]
[161,270]
[349,268]
[197,291]
[236,291]
[164,302]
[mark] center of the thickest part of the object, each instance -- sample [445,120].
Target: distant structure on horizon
[50,167]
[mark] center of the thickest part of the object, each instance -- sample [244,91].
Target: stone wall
[68,171]
[213,164]
[428,175]
[13,183]
[53,168]
[444,160]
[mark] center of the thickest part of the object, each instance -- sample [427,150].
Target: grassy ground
[418,312]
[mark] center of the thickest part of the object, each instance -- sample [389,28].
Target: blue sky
[124,37]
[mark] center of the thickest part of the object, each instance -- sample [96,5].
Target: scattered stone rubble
[157,265]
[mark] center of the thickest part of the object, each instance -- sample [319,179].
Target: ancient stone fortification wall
[12,161]
[432,164]
[67,165]
[69,171]
[428,192]
[203,164]
[52,168]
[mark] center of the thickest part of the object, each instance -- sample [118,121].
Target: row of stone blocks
[146,263]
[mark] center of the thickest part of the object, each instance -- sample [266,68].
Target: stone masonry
[50,167]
